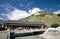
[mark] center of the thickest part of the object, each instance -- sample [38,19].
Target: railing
[26,30]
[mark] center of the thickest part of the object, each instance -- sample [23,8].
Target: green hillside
[45,17]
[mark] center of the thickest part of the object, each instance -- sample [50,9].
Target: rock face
[37,13]
[51,34]
[44,17]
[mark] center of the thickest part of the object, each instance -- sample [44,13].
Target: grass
[46,18]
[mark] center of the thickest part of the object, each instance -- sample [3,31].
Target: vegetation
[47,18]
[26,19]
[1,21]
[58,14]
[55,25]
[42,15]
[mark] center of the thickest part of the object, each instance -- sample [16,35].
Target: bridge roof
[21,23]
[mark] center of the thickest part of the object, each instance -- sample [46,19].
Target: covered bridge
[15,24]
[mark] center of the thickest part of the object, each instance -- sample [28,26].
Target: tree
[55,25]
[43,14]
[58,14]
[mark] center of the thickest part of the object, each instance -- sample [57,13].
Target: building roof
[21,23]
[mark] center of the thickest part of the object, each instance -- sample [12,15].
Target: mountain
[45,17]
[1,21]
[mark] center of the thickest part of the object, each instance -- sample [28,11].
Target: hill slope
[1,21]
[44,17]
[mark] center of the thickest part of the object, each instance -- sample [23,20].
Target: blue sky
[9,6]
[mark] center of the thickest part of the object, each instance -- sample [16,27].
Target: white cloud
[1,18]
[28,4]
[34,10]
[45,8]
[57,12]
[7,7]
[3,14]
[17,14]
[50,8]
[1,5]
[21,4]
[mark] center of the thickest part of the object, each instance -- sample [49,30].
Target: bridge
[16,24]
[27,31]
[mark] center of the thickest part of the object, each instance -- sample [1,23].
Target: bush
[58,14]
[55,25]
[41,15]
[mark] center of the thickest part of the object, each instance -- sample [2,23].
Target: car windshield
[29,37]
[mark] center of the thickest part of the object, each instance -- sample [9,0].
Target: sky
[18,9]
